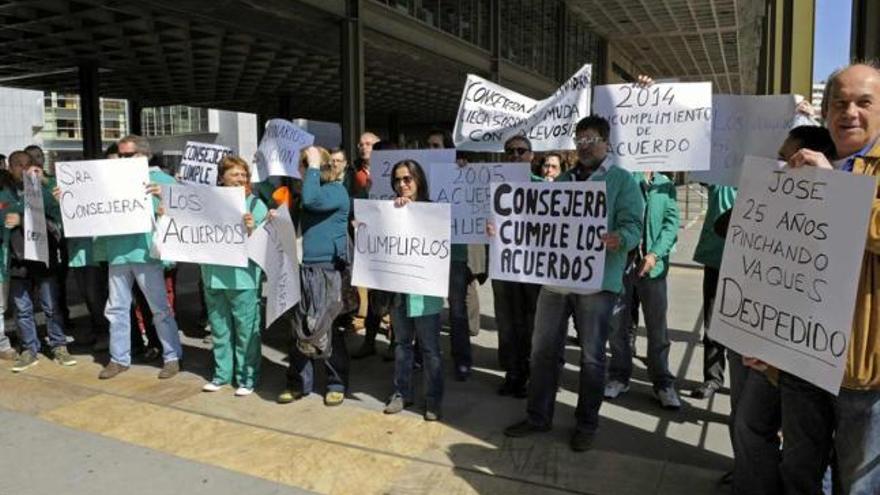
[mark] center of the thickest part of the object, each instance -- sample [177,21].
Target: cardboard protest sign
[405,250]
[791,267]
[381,162]
[490,114]
[105,197]
[200,163]
[273,247]
[663,127]
[278,153]
[745,125]
[203,224]
[36,238]
[467,190]
[549,233]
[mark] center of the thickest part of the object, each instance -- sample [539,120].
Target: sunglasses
[516,151]
[406,179]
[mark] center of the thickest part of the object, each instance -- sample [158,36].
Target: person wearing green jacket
[7,200]
[415,316]
[232,296]
[29,276]
[130,262]
[648,280]
[592,309]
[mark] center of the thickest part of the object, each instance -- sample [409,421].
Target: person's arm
[872,244]
[669,227]
[630,211]
[316,197]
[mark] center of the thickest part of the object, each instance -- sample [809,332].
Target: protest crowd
[308,241]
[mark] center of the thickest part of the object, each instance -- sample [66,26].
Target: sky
[832,32]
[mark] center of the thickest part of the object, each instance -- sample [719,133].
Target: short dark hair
[518,137]
[418,175]
[554,154]
[28,158]
[447,137]
[814,138]
[595,122]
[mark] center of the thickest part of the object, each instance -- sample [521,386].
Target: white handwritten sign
[278,153]
[549,233]
[745,125]
[490,114]
[105,197]
[203,224]
[273,247]
[791,268]
[200,163]
[467,190]
[663,127]
[405,250]
[36,239]
[381,162]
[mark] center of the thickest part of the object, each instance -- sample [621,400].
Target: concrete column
[90,110]
[495,40]
[134,118]
[352,57]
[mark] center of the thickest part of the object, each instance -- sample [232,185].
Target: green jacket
[233,277]
[710,247]
[661,219]
[8,202]
[133,248]
[625,210]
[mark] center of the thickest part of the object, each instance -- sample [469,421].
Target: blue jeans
[459,328]
[151,280]
[427,330]
[592,319]
[4,296]
[47,294]
[652,294]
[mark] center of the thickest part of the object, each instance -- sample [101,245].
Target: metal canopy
[692,40]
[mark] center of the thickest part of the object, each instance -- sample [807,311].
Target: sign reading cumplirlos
[489,114]
[549,233]
[203,224]
[405,249]
[382,161]
[791,268]
[662,127]
[105,197]
[467,190]
[200,163]
[745,125]
[278,153]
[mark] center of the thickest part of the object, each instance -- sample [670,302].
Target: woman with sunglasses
[415,315]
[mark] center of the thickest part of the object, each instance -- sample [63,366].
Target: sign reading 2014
[662,127]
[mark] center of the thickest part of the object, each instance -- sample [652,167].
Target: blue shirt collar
[850,162]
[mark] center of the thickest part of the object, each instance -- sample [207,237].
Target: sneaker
[212,387]
[614,388]
[25,360]
[112,370]
[668,398]
[396,404]
[288,396]
[706,390]
[170,369]
[102,343]
[366,349]
[524,428]
[333,398]
[581,441]
[462,373]
[243,391]
[8,355]
[62,357]
[432,415]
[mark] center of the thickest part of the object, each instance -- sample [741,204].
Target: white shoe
[614,388]
[668,398]
[243,391]
[211,387]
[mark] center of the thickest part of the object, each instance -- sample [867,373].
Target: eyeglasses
[516,151]
[588,141]
[406,179]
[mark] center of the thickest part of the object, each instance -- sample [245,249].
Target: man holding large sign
[661,127]
[490,114]
[591,307]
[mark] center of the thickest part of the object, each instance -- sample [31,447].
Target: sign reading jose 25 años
[549,233]
[791,268]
